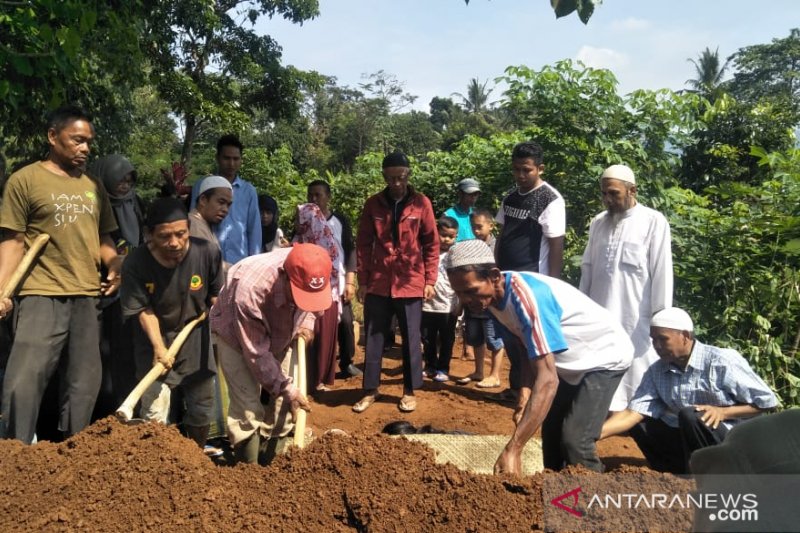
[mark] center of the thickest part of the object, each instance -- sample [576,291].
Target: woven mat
[478,453]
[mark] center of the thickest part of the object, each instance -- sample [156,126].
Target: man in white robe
[627,268]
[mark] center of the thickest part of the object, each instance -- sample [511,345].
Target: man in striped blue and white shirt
[690,397]
[577,353]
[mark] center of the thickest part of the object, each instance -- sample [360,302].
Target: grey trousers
[572,426]
[44,326]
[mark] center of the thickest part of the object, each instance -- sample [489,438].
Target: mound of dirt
[113,477]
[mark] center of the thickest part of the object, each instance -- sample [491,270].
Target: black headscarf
[268,203]
[110,170]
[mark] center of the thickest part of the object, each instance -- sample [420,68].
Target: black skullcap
[396,159]
[165,210]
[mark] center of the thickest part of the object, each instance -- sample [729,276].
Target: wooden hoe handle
[300,380]
[28,259]
[125,411]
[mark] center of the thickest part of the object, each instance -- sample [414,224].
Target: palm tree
[476,100]
[709,74]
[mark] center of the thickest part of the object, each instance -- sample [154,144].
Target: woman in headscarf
[311,227]
[118,176]
[271,234]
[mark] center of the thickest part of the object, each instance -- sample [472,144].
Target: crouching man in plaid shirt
[690,398]
[268,300]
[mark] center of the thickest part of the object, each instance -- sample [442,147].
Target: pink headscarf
[312,227]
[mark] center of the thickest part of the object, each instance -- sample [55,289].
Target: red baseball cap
[309,269]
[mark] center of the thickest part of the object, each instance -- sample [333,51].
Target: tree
[708,74]
[761,108]
[75,51]
[443,111]
[584,125]
[720,147]
[153,142]
[212,69]
[412,133]
[769,71]
[477,97]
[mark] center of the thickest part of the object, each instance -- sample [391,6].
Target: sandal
[507,396]
[407,403]
[364,403]
[469,379]
[488,383]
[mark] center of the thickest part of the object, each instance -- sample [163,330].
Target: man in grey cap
[468,191]
[690,397]
[575,353]
[627,268]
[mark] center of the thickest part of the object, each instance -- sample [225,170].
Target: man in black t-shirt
[533,216]
[166,284]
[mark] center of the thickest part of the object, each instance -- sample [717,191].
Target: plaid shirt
[714,376]
[254,315]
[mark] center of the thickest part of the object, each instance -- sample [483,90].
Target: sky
[434,47]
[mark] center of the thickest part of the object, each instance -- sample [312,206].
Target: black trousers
[378,312]
[347,339]
[438,337]
[116,353]
[668,449]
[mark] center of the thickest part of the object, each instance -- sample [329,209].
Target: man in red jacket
[398,258]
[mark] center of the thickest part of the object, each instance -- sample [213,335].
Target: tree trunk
[188,139]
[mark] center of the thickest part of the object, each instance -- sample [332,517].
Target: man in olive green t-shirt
[57,303]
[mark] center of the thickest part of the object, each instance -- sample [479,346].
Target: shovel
[22,269]
[300,380]
[125,411]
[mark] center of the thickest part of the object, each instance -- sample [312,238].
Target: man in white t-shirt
[575,353]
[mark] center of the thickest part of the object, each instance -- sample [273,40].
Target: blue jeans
[480,330]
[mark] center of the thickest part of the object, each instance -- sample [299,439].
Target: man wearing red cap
[268,300]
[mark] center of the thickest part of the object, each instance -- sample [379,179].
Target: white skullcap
[469,252]
[619,172]
[213,182]
[673,318]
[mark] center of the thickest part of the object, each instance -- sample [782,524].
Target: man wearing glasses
[397,251]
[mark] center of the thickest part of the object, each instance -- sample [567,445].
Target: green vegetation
[165,79]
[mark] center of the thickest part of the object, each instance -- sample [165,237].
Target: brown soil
[113,477]
[444,406]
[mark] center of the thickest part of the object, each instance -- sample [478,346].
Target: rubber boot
[247,450]
[199,434]
[273,447]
